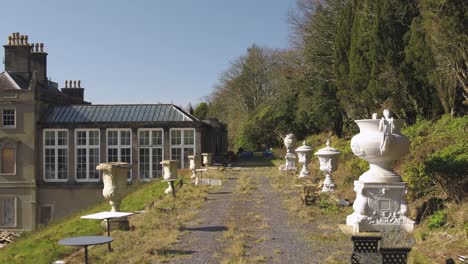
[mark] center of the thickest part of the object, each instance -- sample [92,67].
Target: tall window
[87,154]
[55,155]
[119,146]
[8,118]
[7,211]
[150,153]
[182,145]
[7,158]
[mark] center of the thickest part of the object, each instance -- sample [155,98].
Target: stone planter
[380,194]
[170,173]
[380,143]
[207,159]
[303,154]
[194,164]
[114,177]
[328,158]
[289,142]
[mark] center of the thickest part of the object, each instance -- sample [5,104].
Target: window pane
[49,138]
[112,137]
[93,162]
[81,164]
[8,160]
[93,138]
[176,137]
[125,137]
[49,161]
[188,137]
[81,138]
[62,163]
[144,138]
[8,117]
[7,207]
[157,138]
[176,154]
[156,165]
[144,163]
[62,138]
[113,155]
[187,152]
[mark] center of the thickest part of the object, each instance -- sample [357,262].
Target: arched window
[7,156]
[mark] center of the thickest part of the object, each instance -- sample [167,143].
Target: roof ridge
[113,104]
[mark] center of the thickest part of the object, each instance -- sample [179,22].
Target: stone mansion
[51,140]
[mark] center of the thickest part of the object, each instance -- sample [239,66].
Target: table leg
[108,234]
[86,254]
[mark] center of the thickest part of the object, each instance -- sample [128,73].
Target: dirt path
[244,220]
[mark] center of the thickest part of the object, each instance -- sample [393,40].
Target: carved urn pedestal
[170,174]
[114,177]
[194,164]
[303,153]
[380,193]
[328,158]
[289,143]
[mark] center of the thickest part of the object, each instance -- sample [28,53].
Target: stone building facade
[51,140]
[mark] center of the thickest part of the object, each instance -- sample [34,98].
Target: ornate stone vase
[170,173]
[114,177]
[328,159]
[289,142]
[194,164]
[207,158]
[380,143]
[303,154]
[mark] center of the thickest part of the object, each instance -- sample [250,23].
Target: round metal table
[85,241]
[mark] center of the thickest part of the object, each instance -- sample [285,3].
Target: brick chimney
[38,61]
[17,55]
[74,90]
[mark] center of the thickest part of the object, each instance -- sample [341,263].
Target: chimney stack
[74,90]
[38,61]
[17,55]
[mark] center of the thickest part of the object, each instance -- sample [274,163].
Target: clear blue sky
[146,51]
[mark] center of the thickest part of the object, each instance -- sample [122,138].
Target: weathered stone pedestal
[194,165]
[114,177]
[379,207]
[290,163]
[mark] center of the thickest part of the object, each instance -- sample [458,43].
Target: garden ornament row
[380,192]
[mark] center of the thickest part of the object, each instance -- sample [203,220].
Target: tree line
[347,60]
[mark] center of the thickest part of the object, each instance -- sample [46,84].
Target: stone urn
[170,173]
[194,164]
[380,143]
[114,177]
[303,154]
[207,159]
[289,142]
[328,159]
[380,193]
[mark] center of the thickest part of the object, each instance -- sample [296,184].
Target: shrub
[437,220]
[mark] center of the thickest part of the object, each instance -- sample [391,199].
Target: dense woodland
[347,60]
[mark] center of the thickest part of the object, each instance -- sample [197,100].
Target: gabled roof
[116,114]
[7,81]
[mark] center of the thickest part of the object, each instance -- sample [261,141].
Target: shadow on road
[205,228]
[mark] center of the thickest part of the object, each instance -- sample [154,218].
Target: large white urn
[194,164]
[114,177]
[380,143]
[170,173]
[289,142]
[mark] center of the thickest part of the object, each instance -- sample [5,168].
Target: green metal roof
[116,114]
